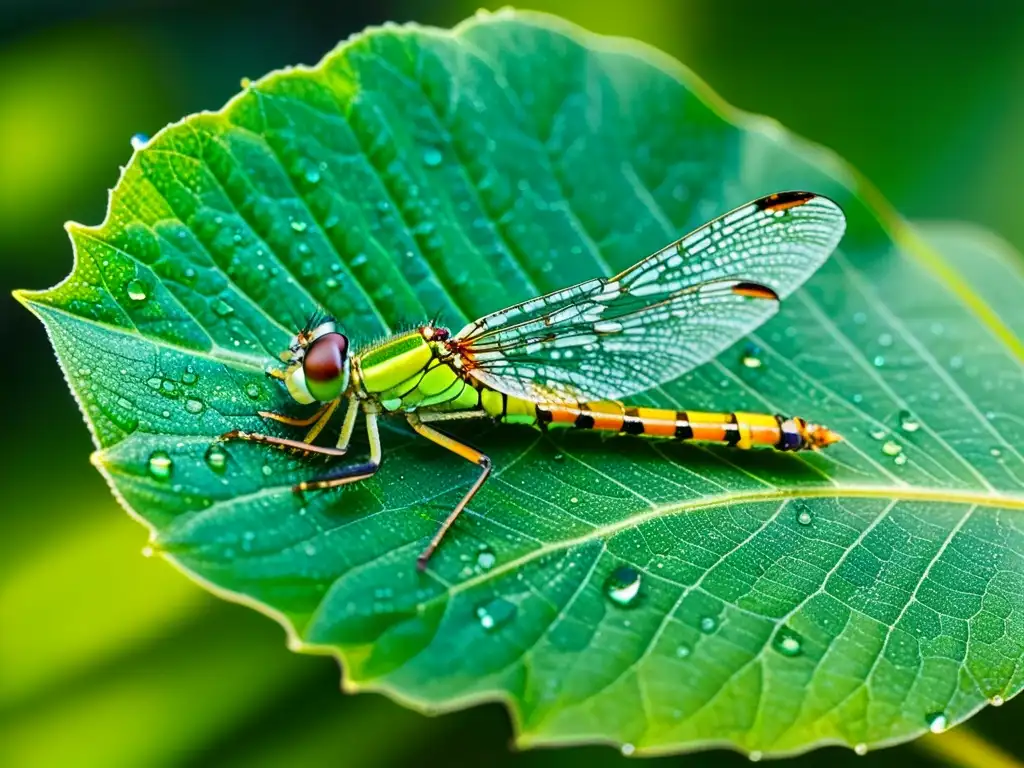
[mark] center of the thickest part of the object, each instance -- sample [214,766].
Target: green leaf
[859,596]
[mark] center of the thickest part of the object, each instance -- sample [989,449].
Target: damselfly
[565,359]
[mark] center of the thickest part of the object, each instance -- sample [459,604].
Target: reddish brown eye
[325,357]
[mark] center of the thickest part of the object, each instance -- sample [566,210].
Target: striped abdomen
[739,428]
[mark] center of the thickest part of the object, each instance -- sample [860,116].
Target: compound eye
[324,365]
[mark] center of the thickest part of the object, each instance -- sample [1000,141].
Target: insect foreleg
[355,472]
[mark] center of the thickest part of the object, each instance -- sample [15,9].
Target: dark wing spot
[780,201]
[755,291]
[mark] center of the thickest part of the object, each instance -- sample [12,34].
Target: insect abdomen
[740,429]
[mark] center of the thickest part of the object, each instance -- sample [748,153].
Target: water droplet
[891,448]
[495,613]
[139,140]
[486,558]
[136,290]
[245,82]
[160,465]
[331,283]
[168,388]
[879,361]
[299,226]
[359,259]
[432,157]
[803,516]
[623,585]
[907,422]
[708,624]
[189,377]
[194,406]
[627,749]
[995,452]
[683,651]
[574,500]
[900,460]
[756,756]
[148,551]
[788,642]
[860,749]
[216,458]
[253,391]
[221,308]
[885,340]
[937,722]
[313,176]
[997,701]
[956,362]
[751,356]
[877,433]
[860,318]
[267,470]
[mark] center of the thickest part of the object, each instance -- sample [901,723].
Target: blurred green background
[108,658]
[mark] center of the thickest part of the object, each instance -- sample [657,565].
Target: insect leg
[282,443]
[465,452]
[292,422]
[303,447]
[322,421]
[354,472]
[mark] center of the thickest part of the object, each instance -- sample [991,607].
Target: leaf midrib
[937,495]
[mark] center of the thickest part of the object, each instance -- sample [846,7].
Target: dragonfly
[568,359]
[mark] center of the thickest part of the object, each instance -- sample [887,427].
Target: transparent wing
[676,309]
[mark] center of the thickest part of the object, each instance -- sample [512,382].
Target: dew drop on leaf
[313,176]
[495,613]
[189,377]
[216,458]
[222,309]
[708,624]
[139,140]
[907,422]
[246,83]
[877,433]
[486,558]
[996,701]
[900,459]
[885,340]
[148,551]
[683,651]
[891,448]
[995,452]
[194,406]
[936,722]
[751,357]
[160,465]
[627,749]
[267,470]
[788,642]
[299,226]
[136,290]
[432,157]
[878,361]
[253,391]
[623,585]
[860,749]
[803,515]
[756,756]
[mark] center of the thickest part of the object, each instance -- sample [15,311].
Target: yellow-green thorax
[409,372]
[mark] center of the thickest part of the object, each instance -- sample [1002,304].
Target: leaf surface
[654,595]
